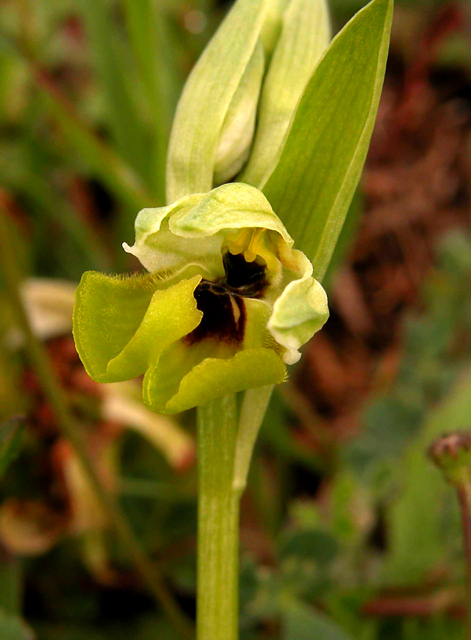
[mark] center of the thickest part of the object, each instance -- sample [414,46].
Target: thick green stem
[218,522]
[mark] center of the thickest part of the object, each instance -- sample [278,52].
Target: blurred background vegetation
[348,531]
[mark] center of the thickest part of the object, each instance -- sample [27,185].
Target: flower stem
[71,430]
[464,499]
[218,522]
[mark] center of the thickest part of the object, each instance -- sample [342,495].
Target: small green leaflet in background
[301,622]
[314,545]
[315,179]
[416,535]
[13,628]
[11,441]
[207,97]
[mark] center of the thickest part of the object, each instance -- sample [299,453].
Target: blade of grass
[69,426]
[102,161]
[115,72]
[41,196]
[152,48]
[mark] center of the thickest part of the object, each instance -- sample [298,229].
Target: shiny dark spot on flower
[222,303]
[247,278]
[224,315]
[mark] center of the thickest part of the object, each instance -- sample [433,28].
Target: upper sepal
[192,229]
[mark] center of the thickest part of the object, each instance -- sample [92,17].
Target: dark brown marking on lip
[248,279]
[222,303]
[219,322]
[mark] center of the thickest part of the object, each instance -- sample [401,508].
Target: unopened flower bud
[272,25]
[214,124]
[238,129]
[305,35]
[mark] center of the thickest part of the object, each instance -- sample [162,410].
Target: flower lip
[224,315]
[222,302]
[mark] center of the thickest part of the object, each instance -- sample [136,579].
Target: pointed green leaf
[13,628]
[207,97]
[304,37]
[315,179]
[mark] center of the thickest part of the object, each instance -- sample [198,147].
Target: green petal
[300,311]
[172,314]
[108,311]
[304,37]
[122,325]
[272,25]
[212,378]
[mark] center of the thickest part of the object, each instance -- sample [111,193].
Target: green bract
[227,303]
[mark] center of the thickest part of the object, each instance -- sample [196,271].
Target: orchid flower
[227,302]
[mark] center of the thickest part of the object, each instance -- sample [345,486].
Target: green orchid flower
[226,305]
